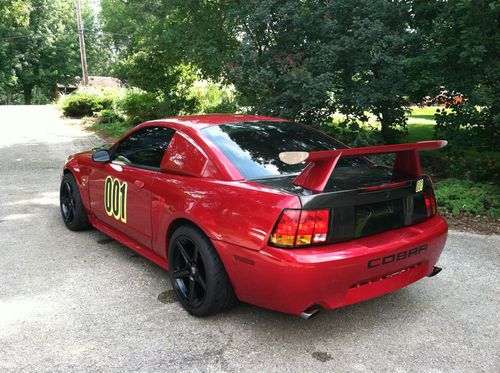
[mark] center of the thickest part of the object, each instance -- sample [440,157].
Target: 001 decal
[115,198]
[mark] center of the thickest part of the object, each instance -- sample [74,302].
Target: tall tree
[39,45]
[302,60]
[307,60]
[459,50]
[43,51]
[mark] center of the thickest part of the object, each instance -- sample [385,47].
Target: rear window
[254,147]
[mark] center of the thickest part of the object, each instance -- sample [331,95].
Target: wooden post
[85,76]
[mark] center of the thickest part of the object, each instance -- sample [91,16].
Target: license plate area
[378,217]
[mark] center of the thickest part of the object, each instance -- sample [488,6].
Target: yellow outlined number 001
[115,198]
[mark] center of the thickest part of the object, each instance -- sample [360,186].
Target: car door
[120,190]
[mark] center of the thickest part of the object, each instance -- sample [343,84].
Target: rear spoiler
[321,164]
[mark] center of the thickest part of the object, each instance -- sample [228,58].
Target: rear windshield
[254,147]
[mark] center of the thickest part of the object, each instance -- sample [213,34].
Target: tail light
[297,228]
[430,203]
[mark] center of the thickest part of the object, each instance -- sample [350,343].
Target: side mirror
[101,156]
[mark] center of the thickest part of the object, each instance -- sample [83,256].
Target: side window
[145,147]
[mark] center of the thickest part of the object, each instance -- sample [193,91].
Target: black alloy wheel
[189,272]
[67,202]
[197,274]
[72,210]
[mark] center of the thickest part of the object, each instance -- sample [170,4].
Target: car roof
[202,121]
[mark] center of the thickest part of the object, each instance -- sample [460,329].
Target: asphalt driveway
[82,302]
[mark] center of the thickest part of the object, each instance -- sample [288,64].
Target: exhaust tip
[310,312]
[435,271]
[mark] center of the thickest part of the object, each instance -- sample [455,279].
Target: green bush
[457,196]
[469,126]
[108,116]
[84,103]
[470,165]
[138,106]
[213,98]
[353,135]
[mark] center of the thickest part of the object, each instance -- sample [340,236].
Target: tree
[460,45]
[39,45]
[302,60]
[307,60]
[148,55]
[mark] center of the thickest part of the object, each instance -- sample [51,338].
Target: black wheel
[197,274]
[72,210]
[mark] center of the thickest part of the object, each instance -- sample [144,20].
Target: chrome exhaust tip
[310,312]
[435,271]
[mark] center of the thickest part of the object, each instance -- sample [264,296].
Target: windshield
[254,147]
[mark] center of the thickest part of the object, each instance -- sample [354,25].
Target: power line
[85,31]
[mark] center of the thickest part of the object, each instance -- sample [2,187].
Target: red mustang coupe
[260,209]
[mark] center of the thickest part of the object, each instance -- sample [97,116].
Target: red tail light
[301,228]
[430,203]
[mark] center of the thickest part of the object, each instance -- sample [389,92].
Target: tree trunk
[386,130]
[28,95]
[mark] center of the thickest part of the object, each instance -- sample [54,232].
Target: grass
[420,124]
[113,129]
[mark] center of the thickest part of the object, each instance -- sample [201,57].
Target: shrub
[138,106]
[353,135]
[82,103]
[108,116]
[213,98]
[467,125]
[471,165]
[456,196]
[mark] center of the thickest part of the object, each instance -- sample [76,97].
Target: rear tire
[72,210]
[197,273]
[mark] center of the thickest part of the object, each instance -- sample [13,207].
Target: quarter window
[144,147]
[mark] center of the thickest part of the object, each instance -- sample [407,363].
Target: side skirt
[130,243]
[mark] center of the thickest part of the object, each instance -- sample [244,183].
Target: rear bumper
[334,275]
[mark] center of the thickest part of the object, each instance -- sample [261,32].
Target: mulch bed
[474,224]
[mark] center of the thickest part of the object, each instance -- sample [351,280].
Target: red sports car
[260,209]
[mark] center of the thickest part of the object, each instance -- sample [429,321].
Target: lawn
[420,124]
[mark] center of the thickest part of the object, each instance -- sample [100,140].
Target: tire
[72,210]
[197,274]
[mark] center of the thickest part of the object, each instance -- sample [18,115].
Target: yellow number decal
[420,186]
[115,198]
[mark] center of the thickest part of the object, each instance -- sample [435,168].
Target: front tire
[72,210]
[197,273]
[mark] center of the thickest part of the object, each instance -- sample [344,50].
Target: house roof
[104,81]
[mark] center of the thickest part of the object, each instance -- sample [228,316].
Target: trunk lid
[362,200]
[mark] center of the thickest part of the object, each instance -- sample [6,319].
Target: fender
[81,173]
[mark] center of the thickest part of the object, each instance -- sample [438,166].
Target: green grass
[420,124]
[114,129]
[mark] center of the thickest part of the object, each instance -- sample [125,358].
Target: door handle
[139,183]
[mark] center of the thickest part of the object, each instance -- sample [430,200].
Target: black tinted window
[254,147]
[144,147]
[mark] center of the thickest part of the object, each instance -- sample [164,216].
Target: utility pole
[85,75]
